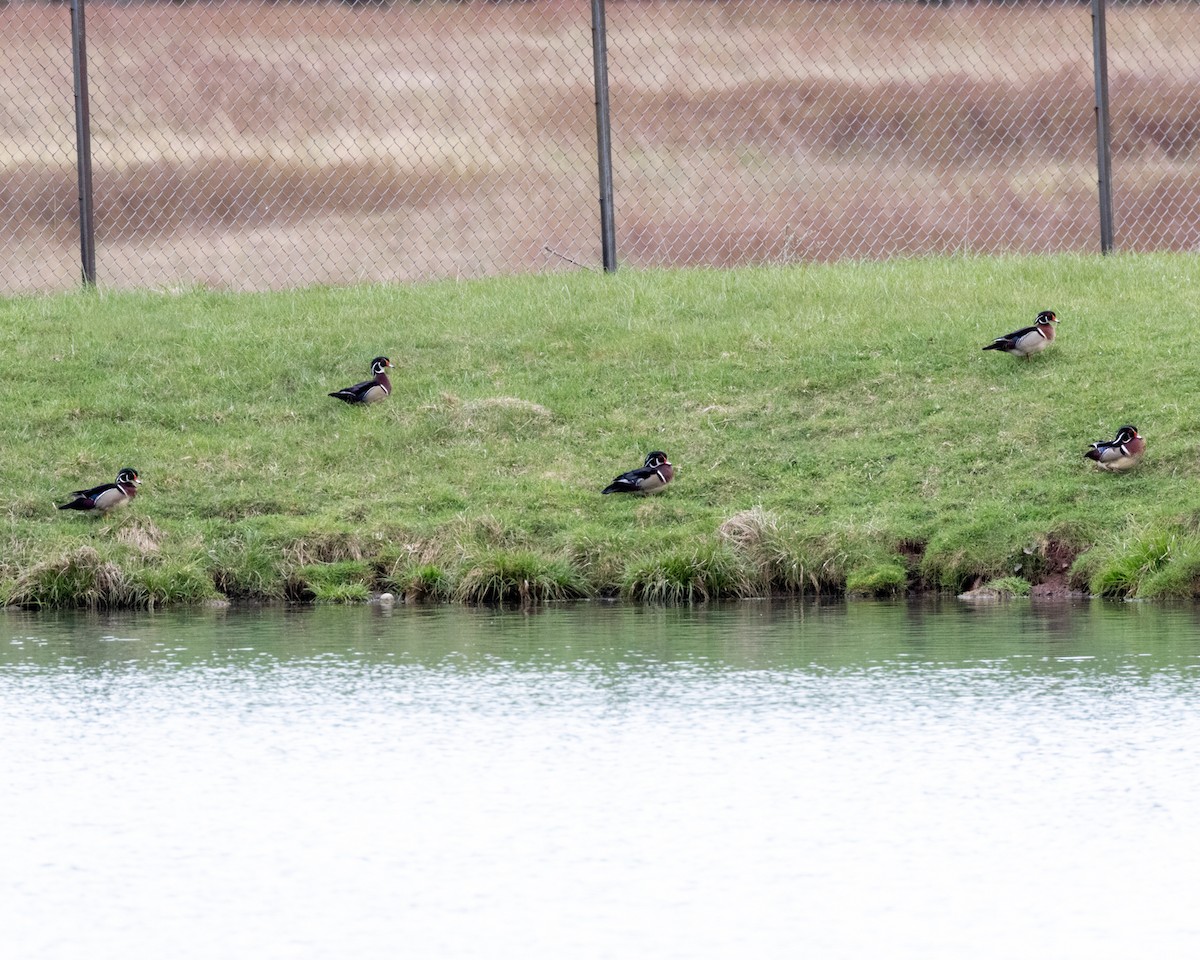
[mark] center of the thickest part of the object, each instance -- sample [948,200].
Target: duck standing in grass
[107,496]
[369,391]
[1120,453]
[655,474]
[1028,340]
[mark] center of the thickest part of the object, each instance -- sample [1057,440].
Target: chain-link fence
[250,144]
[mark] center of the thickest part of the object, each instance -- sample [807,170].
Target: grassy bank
[835,428]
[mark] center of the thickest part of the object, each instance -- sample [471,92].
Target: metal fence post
[83,143]
[1103,152]
[608,230]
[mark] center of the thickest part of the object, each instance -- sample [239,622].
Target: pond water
[756,780]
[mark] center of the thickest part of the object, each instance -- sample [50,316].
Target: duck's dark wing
[86,499]
[93,492]
[1009,338]
[630,482]
[1103,450]
[355,393]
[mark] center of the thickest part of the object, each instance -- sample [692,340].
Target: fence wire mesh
[250,145]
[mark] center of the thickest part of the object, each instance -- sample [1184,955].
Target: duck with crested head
[1120,453]
[369,391]
[106,496]
[651,477]
[1028,340]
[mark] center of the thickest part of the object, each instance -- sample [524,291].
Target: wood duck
[650,478]
[1028,340]
[1120,453]
[369,391]
[107,496]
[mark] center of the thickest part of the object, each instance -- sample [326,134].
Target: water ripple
[599,781]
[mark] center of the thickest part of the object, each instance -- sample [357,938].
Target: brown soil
[1055,584]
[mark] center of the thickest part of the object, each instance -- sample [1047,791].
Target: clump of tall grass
[1157,563]
[600,555]
[1119,570]
[419,582]
[173,581]
[519,576]
[756,537]
[79,577]
[883,578]
[343,593]
[708,572]
[778,559]
[1179,578]
[246,567]
[343,581]
[416,570]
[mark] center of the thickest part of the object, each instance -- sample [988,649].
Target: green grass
[833,427]
[1011,587]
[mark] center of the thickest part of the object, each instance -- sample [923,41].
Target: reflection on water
[751,635]
[900,780]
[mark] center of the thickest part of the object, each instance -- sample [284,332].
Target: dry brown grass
[249,145]
[142,535]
